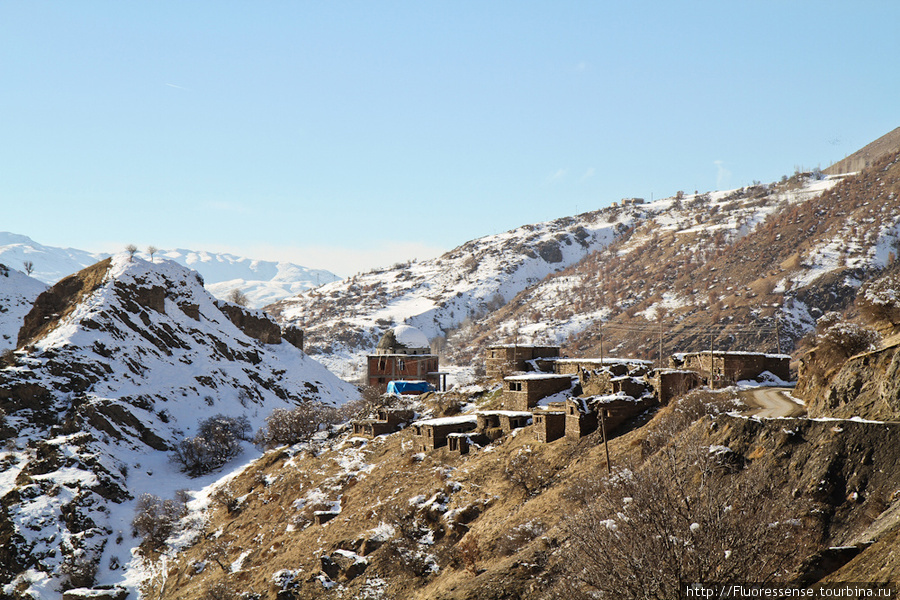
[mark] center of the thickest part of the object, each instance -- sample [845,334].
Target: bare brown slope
[866,156]
[59,301]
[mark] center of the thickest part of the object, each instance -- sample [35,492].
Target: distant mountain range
[263,282]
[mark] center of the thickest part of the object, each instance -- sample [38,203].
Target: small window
[402,364]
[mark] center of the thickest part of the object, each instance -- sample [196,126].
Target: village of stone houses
[641,401]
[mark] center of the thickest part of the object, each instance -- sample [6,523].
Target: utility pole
[605,441]
[660,345]
[601,342]
[778,332]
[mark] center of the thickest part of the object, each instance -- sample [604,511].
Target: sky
[351,135]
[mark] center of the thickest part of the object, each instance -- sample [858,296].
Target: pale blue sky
[346,135]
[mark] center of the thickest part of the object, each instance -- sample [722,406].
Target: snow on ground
[18,292]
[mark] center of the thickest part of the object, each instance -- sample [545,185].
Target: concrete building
[403,353]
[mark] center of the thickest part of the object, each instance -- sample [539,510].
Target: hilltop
[116,365]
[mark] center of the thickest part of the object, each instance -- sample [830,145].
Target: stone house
[549,425]
[671,383]
[730,367]
[458,443]
[583,414]
[505,420]
[501,361]
[431,434]
[522,392]
[387,420]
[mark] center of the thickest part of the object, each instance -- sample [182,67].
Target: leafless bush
[527,471]
[285,426]
[838,340]
[238,297]
[155,518]
[516,538]
[682,519]
[683,411]
[218,440]
[879,300]
[469,553]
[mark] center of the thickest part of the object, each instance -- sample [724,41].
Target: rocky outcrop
[867,386]
[253,323]
[60,300]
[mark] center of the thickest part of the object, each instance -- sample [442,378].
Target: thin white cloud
[587,175]
[177,87]
[559,174]
[723,175]
[582,66]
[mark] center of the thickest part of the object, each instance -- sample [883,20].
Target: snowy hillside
[702,226]
[124,359]
[263,282]
[343,321]
[17,294]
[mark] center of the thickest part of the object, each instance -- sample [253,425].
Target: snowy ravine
[17,294]
[262,281]
[122,361]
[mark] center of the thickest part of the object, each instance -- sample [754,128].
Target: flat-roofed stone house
[431,434]
[504,360]
[730,367]
[523,392]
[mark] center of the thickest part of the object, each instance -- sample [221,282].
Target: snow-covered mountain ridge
[458,292]
[344,320]
[119,363]
[263,282]
[750,270]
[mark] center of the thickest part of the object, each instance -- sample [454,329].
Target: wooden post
[605,441]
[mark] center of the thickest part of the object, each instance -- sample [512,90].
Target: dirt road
[771,402]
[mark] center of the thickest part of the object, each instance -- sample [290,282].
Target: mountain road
[771,402]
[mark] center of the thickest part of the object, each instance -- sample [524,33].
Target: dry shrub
[155,519]
[682,518]
[838,340]
[527,471]
[469,553]
[286,427]
[879,300]
[218,439]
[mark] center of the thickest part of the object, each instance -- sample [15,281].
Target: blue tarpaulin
[409,387]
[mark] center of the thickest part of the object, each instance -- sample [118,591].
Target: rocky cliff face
[117,364]
[866,386]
